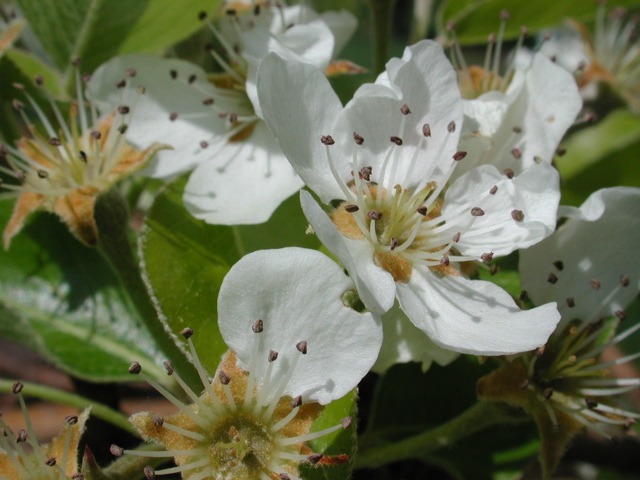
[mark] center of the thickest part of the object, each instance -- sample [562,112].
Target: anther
[258,326]
[204,144]
[123,109]
[85,77]
[358,139]
[327,140]
[620,314]
[504,14]
[302,347]
[173,74]
[559,265]
[17,104]
[547,393]
[18,86]
[168,366]
[149,473]
[552,278]
[451,127]
[508,172]
[524,295]
[54,142]
[346,422]
[186,333]
[122,129]
[517,215]
[365,173]
[524,384]
[516,153]
[405,110]
[374,214]
[224,378]
[17,387]
[233,118]
[51,462]
[192,78]
[477,212]
[173,116]
[202,15]
[445,260]
[422,210]
[71,419]
[158,420]
[296,402]
[121,83]
[561,151]
[493,190]
[351,208]
[135,368]
[43,174]
[256,9]
[83,156]
[315,458]
[426,130]
[284,476]
[393,244]
[76,62]
[208,101]
[22,436]
[273,355]
[96,135]
[38,80]
[516,130]
[456,237]
[77,476]
[590,118]
[571,302]
[396,140]
[487,257]
[459,156]
[130,72]
[116,451]
[625,280]
[595,284]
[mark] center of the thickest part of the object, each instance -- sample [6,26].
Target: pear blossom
[295,344]
[63,166]
[57,460]
[516,115]
[213,121]
[399,229]
[590,267]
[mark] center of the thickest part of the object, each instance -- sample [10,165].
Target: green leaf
[185,261]
[97,30]
[616,131]
[340,442]
[476,19]
[60,298]
[30,66]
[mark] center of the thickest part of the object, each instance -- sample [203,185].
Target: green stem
[73,400]
[480,416]
[91,18]
[382,21]
[112,216]
[422,10]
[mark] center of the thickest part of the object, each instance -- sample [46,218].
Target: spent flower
[213,121]
[399,228]
[296,346]
[62,166]
[54,461]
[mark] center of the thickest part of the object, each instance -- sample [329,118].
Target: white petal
[425,81]
[599,241]
[375,286]
[244,185]
[297,293]
[535,193]
[163,96]
[343,25]
[404,342]
[473,316]
[300,107]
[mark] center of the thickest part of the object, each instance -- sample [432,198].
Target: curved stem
[480,416]
[66,398]
[112,216]
[382,20]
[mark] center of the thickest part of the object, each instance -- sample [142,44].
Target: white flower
[213,121]
[387,157]
[516,115]
[590,266]
[295,346]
